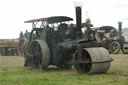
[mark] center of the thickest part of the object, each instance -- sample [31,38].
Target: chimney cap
[119,22]
[78,3]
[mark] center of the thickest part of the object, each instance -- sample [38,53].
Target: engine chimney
[78,20]
[120,27]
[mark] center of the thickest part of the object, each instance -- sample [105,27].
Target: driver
[88,31]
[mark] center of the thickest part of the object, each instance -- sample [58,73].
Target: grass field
[12,72]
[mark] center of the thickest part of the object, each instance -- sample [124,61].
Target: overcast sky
[101,12]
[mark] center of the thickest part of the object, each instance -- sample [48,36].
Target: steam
[78,3]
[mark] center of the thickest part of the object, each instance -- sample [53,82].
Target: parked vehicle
[8,47]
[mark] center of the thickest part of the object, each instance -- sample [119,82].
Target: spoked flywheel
[115,47]
[92,60]
[36,54]
[39,54]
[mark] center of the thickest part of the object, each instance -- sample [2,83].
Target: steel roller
[92,60]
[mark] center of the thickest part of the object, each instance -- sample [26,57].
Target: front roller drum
[92,60]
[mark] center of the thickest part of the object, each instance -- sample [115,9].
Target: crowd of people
[23,39]
[24,35]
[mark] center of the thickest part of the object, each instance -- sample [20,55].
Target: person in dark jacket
[88,31]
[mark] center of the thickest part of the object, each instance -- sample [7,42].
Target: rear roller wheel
[39,54]
[125,48]
[115,47]
[36,52]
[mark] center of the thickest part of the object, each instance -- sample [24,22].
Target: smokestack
[120,27]
[78,19]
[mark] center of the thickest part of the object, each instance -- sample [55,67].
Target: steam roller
[63,45]
[90,60]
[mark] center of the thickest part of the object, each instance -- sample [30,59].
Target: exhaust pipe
[120,27]
[78,20]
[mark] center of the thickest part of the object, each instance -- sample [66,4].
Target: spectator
[21,35]
[26,35]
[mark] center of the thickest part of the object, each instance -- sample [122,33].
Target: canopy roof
[107,28]
[50,20]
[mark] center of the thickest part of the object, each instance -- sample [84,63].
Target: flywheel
[40,56]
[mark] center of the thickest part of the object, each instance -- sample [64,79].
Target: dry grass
[12,72]
[11,61]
